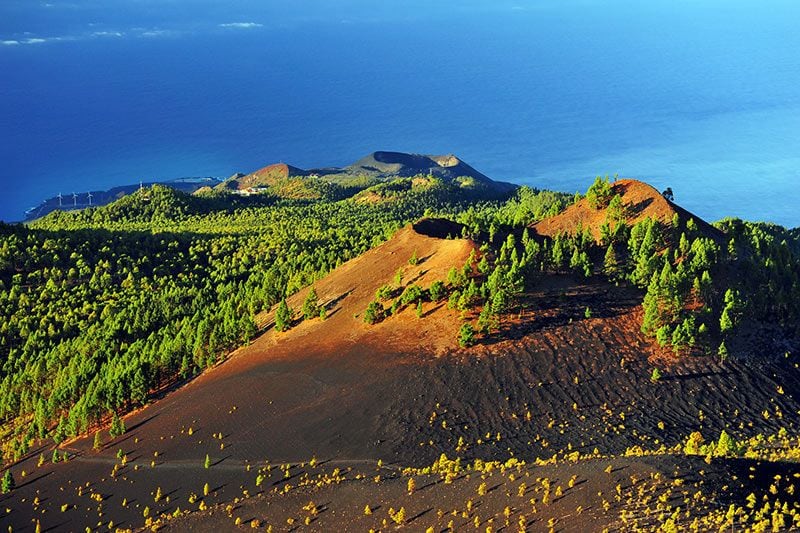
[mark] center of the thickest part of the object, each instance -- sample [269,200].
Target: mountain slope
[343,413]
[401,391]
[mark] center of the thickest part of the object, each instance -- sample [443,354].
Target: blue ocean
[699,95]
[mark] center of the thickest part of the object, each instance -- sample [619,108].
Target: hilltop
[372,169]
[269,176]
[639,201]
[382,164]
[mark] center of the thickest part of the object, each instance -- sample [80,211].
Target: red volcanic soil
[550,382]
[348,290]
[640,200]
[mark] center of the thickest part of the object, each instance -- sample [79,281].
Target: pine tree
[117,426]
[664,335]
[466,335]
[683,335]
[645,258]
[575,260]
[616,210]
[605,233]
[726,446]
[652,320]
[483,265]
[207,462]
[731,312]
[58,435]
[98,442]
[586,265]
[7,484]
[283,316]
[683,244]
[437,291]
[725,321]
[600,193]
[500,301]
[452,301]
[722,351]
[610,262]
[310,307]
[558,253]
[487,320]
[374,313]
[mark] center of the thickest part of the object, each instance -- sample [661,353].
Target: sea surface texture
[703,97]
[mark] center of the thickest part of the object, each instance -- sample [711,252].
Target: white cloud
[140,32]
[154,33]
[36,40]
[241,25]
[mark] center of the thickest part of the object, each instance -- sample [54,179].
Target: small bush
[656,376]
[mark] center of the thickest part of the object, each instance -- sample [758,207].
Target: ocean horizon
[699,97]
